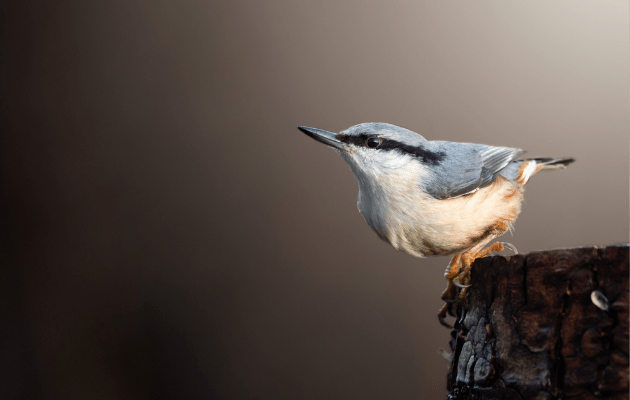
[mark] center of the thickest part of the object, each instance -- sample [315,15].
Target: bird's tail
[519,171]
[552,163]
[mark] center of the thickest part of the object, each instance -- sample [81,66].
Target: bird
[433,197]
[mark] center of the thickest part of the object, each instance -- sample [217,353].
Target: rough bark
[532,329]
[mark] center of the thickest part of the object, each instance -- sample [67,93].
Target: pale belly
[423,226]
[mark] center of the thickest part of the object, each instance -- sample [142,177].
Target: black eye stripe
[357,140]
[425,156]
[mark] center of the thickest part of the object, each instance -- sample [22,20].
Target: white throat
[388,185]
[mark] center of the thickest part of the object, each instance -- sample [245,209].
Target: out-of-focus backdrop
[167,232]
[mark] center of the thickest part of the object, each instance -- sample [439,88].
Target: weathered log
[546,325]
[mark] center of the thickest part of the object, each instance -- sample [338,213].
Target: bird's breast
[418,224]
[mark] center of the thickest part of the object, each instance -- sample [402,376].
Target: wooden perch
[547,325]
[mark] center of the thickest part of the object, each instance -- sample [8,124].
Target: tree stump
[546,325]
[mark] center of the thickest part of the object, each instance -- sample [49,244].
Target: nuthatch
[430,198]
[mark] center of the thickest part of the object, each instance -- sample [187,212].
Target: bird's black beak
[323,136]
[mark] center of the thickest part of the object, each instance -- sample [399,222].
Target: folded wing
[465,168]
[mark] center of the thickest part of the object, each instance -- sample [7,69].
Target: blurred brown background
[167,232]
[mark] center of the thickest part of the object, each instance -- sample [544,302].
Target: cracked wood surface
[546,325]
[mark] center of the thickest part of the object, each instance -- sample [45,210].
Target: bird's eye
[373,142]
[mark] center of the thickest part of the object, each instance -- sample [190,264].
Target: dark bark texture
[532,327]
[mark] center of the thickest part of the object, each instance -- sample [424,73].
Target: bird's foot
[451,298]
[496,246]
[450,293]
[458,277]
[462,280]
[458,271]
[453,267]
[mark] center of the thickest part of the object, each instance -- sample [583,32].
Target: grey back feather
[465,168]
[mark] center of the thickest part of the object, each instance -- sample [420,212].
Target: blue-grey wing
[464,167]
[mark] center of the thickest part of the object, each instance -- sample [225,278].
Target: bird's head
[375,148]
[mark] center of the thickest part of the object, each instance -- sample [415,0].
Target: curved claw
[442,314]
[456,283]
[510,246]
